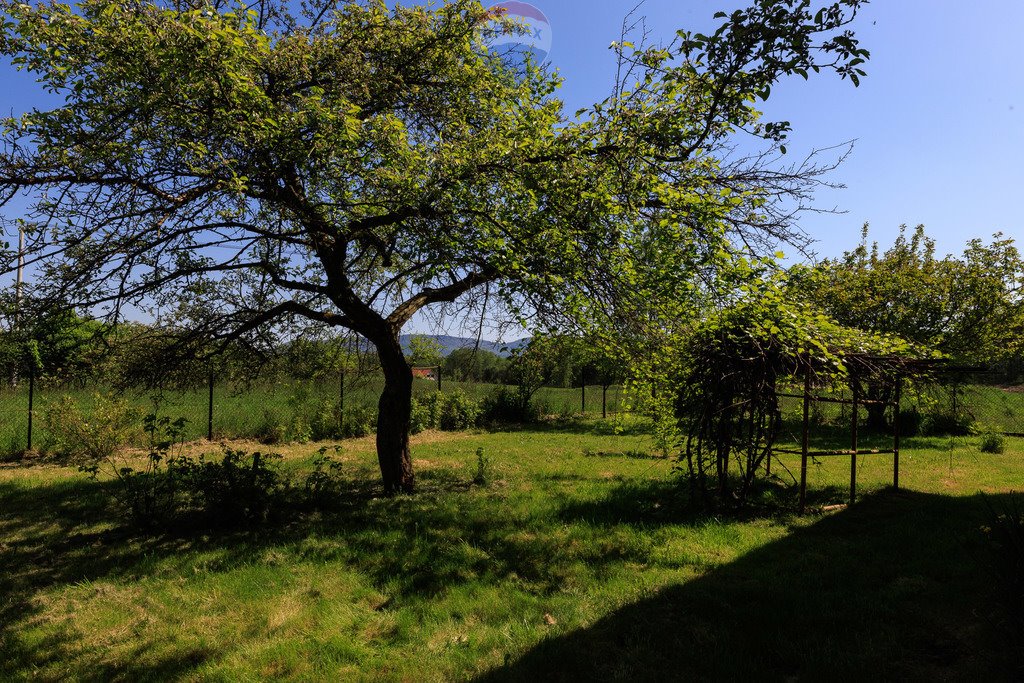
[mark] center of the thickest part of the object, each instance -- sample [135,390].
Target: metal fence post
[341,405]
[438,378]
[209,414]
[804,439]
[31,399]
[853,444]
[896,435]
[583,391]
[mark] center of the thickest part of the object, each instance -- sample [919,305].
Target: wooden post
[853,445]
[896,436]
[438,378]
[804,442]
[604,401]
[209,412]
[31,398]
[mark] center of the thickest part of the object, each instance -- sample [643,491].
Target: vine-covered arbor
[737,369]
[875,382]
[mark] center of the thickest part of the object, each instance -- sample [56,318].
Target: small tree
[425,351]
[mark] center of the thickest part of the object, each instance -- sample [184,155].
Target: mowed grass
[577,561]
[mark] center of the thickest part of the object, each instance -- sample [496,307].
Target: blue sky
[939,121]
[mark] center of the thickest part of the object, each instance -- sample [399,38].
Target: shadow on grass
[889,588]
[55,535]
[580,425]
[893,588]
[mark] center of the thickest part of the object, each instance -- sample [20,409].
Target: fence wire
[279,411]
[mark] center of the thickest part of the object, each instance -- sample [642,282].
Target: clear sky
[939,120]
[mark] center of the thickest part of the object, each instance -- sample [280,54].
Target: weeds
[483,468]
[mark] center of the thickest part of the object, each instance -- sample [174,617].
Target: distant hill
[449,343]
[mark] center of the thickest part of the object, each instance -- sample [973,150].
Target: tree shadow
[893,588]
[578,425]
[890,587]
[68,533]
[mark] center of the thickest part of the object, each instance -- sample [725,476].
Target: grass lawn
[574,563]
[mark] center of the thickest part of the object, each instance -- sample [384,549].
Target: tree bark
[876,411]
[393,419]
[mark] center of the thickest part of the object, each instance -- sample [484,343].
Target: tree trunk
[876,411]
[393,420]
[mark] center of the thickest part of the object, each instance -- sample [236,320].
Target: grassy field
[575,562]
[247,411]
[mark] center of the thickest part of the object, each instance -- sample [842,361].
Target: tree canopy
[968,307]
[230,168]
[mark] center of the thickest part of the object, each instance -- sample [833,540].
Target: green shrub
[299,430]
[326,422]
[992,443]
[150,494]
[271,430]
[323,484]
[238,488]
[911,421]
[509,405]
[90,438]
[449,412]
[948,423]
[421,417]
[457,411]
[483,468]
[360,420]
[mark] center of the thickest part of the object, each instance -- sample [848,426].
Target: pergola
[885,370]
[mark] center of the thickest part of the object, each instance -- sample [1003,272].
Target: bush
[148,494]
[360,420]
[911,421]
[323,483]
[457,411]
[91,438]
[992,443]
[483,468]
[271,430]
[326,422]
[235,488]
[299,430]
[948,423]
[509,405]
[422,416]
[449,412]
[238,488]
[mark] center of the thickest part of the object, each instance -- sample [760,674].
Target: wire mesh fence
[949,404]
[281,410]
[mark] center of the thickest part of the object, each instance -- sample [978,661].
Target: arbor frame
[895,371]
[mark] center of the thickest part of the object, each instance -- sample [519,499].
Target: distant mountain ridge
[449,343]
